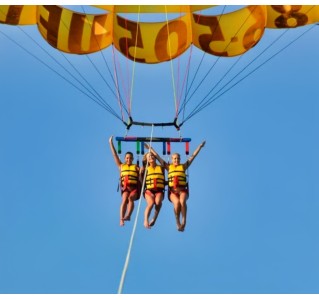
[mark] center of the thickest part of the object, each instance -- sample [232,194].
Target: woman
[129,176]
[154,188]
[178,185]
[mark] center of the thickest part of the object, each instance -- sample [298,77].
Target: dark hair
[130,153]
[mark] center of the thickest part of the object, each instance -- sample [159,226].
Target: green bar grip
[138,147]
[119,147]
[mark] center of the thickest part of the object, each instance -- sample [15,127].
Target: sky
[253,208]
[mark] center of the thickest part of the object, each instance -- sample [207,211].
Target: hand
[203,144]
[146,146]
[111,139]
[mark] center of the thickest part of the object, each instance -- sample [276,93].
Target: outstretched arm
[161,160]
[114,153]
[192,157]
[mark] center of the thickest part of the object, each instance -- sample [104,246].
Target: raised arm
[114,153]
[161,160]
[192,157]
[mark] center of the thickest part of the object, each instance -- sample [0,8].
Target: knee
[177,205]
[183,201]
[132,198]
[125,200]
[158,202]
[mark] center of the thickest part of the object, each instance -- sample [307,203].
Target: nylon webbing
[134,63]
[171,63]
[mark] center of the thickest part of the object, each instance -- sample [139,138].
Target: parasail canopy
[225,35]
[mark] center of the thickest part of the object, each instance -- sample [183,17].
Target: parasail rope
[188,88]
[170,57]
[89,90]
[134,227]
[185,83]
[88,93]
[134,63]
[103,57]
[117,83]
[115,77]
[217,60]
[221,91]
[202,104]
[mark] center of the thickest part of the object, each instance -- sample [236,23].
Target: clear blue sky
[253,207]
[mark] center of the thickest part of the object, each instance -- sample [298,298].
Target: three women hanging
[131,177]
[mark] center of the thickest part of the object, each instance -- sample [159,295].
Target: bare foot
[127,218]
[147,225]
[152,222]
[121,222]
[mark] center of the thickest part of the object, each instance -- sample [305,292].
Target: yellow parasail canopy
[225,35]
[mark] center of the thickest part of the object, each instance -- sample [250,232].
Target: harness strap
[125,182]
[175,182]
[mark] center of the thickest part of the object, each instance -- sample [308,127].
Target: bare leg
[158,205]
[123,207]
[130,206]
[156,212]
[183,198]
[150,202]
[177,210]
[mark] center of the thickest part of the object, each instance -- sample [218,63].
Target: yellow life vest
[176,176]
[129,175]
[155,178]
